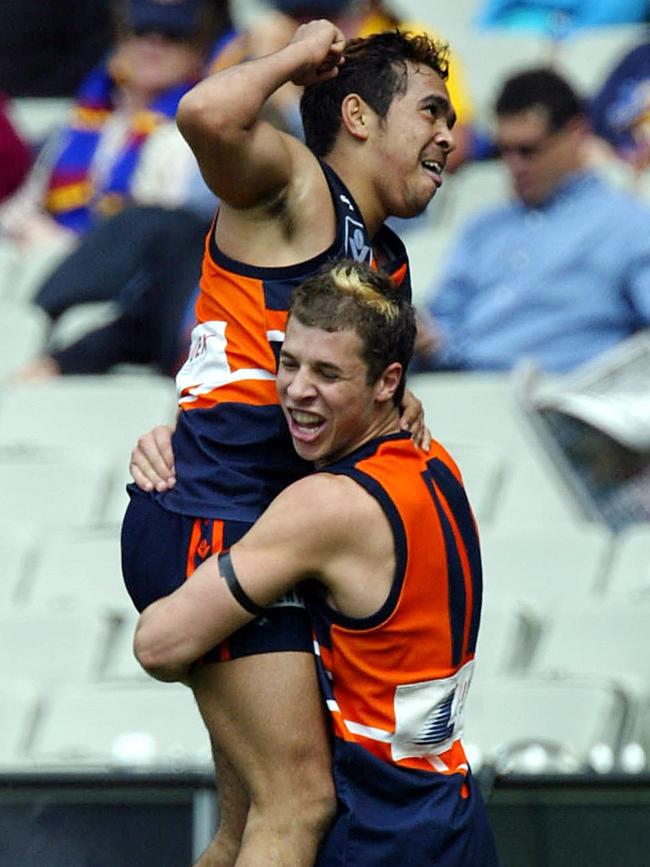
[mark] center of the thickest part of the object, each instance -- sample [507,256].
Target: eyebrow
[322,366]
[443,105]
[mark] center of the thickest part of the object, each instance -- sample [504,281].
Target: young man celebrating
[384,536]
[377,122]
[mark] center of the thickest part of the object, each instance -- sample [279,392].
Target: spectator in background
[121,143]
[152,279]
[620,110]
[15,157]
[556,276]
[148,261]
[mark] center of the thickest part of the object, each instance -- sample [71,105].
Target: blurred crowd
[556,274]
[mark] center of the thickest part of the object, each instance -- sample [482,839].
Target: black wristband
[228,574]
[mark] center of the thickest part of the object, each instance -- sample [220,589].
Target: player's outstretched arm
[245,160]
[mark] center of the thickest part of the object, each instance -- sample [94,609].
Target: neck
[135,100]
[384,424]
[362,191]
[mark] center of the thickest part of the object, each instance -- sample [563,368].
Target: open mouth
[434,168]
[304,426]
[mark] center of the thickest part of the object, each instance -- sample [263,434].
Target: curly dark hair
[376,68]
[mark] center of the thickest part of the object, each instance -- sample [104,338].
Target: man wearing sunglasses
[561,273]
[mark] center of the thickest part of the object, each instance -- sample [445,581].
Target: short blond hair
[351,296]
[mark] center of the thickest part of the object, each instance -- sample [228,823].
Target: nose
[300,385]
[445,139]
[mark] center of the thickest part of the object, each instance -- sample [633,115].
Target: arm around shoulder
[285,546]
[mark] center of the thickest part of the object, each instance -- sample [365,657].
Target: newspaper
[611,393]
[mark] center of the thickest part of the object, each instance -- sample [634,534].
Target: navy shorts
[161,549]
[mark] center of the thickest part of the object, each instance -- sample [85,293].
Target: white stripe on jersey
[368,732]
[207,365]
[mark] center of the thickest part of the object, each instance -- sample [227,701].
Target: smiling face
[412,143]
[329,405]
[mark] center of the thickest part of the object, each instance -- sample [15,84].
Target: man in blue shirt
[558,275]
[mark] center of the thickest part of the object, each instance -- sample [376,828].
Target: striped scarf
[72,198]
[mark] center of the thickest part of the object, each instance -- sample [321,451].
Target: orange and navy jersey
[232,449]
[396,682]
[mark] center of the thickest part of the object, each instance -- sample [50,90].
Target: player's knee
[303,818]
[323,807]
[311,802]
[312,787]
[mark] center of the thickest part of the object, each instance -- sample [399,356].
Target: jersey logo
[429,714]
[345,199]
[355,241]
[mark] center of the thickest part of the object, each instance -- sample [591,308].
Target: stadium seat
[19,700]
[38,117]
[428,246]
[598,639]
[483,468]
[482,407]
[508,636]
[110,409]
[118,498]
[17,546]
[23,333]
[629,573]
[53,485]
[546,566]
[22,274]
[489,56]
[79,569]
[146,727]
[109,412]
[477,187]
[543,725]
[53,649]
[120,665]
[638,758]
[473,406]
[589,56]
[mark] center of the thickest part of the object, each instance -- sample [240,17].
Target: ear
[354,114]
[388,382]
[577,126]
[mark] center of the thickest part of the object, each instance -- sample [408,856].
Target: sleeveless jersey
[232,449]
[395,683]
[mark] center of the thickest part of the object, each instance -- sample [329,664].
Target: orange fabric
[413,644]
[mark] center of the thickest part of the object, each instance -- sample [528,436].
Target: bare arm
[244,160]
[324,527]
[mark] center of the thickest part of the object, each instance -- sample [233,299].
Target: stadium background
[98,766]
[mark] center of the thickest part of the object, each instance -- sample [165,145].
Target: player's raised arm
[243,159]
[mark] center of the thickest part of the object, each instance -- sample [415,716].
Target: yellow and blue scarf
[72,198]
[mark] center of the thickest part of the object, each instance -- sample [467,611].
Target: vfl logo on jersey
[346,201]
[355,241]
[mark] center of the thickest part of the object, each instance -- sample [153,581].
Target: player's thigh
[266,713]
